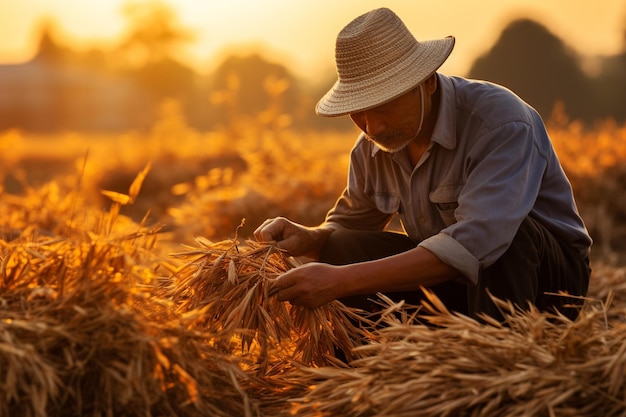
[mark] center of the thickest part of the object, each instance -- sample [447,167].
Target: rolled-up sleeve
[452,253]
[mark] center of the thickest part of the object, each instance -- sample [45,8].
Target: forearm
[317,239]
[402,272]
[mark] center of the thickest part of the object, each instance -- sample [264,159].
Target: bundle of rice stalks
[82,333]
[534,364]
[232,284]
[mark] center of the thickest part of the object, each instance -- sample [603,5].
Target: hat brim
[350,96]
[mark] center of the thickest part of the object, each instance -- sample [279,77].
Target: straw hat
[377,60]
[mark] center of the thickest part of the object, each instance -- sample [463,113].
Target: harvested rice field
[108,308]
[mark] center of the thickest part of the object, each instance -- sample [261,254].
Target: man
[468,167]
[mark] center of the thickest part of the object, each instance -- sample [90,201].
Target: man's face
[393,125]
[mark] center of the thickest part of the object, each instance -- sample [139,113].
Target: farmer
[469,168]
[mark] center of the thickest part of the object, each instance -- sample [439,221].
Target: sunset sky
[301,34]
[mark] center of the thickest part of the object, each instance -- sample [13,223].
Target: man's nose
[374,123]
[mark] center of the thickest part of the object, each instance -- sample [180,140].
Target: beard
[390,143]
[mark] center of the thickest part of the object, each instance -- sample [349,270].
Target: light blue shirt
[490,164]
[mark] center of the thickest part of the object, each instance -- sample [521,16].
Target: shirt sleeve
[503,175]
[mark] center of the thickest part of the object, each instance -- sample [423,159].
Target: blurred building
[41,95]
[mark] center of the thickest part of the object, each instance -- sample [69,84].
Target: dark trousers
[535,266]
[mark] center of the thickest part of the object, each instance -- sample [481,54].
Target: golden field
[129,287]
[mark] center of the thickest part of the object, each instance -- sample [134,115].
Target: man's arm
[315,284]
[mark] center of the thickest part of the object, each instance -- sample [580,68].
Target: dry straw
[233,286]
[83,332]
[94,322]
[536,364]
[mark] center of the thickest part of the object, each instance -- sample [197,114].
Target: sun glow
[302,33]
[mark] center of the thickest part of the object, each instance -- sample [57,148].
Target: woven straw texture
[377,60]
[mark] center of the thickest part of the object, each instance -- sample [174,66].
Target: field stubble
[149,300]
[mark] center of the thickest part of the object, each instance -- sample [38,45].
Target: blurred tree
[149,51]
[95,59]
[167,78]
[244,77]
[610,85]
[315,91]
[154,33]
[253,87]
[538,66]
[249,86]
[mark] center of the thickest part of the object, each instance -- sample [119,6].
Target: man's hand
[296,239]
[310,285]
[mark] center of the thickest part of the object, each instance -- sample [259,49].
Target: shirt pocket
[446,199]
[387,203]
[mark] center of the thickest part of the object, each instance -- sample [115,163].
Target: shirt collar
[444,132]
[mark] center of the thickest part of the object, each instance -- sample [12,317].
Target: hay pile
[95,321]
[82,333]
[83,329]
[536,365]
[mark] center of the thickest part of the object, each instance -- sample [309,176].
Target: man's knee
[535,264]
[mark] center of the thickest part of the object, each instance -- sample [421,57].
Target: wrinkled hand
[310,285]
[296,239]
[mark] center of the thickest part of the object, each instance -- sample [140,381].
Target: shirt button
[422,220]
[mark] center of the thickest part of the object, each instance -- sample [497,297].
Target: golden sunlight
[302,33]
[143,142]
